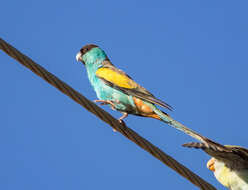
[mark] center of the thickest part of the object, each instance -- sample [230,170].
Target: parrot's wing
[119,80]
[233,156]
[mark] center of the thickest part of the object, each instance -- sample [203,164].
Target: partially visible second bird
[228,163]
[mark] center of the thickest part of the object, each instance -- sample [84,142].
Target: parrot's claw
[121,122]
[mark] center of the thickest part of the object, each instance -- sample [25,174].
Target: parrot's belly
[122,102]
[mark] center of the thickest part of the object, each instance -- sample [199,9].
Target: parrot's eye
[84,50]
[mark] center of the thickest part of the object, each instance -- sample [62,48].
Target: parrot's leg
[105,102]
[121,119]
[125,114]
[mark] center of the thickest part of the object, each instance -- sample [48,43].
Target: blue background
[191,54]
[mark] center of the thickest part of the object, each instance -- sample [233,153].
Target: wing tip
[196,145]
[163,104]
[169,107]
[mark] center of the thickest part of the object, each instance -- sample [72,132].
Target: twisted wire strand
[106,117]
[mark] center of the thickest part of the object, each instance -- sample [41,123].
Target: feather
[117,79]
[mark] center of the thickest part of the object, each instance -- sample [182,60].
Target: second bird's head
[90,54]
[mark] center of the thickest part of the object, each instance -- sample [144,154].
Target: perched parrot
[120,91]
[229,163]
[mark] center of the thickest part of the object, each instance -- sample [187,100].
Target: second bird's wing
[234,157]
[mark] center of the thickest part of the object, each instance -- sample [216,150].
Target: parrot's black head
[84,50]
[87,48]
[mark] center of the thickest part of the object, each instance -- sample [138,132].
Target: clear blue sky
[191,54]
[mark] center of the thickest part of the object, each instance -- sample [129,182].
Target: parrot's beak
[78,57]
[210,164]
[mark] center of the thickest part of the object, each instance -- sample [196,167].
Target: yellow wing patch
[116,78]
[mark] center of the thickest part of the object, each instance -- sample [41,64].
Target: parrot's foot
[123,117]
[121,120]
[105,102]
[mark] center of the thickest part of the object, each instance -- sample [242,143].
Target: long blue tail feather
[170,121]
